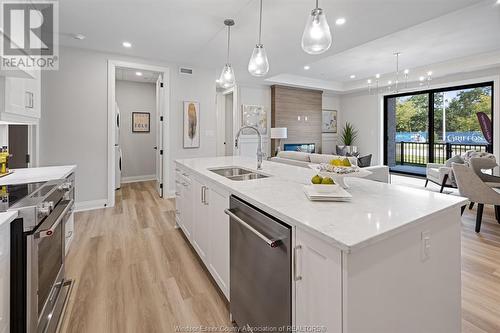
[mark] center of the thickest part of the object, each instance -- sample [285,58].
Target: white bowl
[324,188]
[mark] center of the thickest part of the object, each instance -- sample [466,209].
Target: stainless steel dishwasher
[260,269]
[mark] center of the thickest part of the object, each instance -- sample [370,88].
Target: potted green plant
[348,137]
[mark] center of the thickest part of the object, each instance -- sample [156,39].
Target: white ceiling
[191,32]
[468,33]
[130,74]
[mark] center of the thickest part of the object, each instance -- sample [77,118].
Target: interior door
[159,135]
[18,146]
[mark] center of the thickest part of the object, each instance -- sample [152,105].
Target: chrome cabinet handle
[206,200]
[177,194]
[296,276]
[270,241]
[203,194]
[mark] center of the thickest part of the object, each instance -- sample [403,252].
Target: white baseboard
[90,205]
[169,195]
[135,179]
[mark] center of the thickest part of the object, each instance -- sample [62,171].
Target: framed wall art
[329,121]
[254,115]
[141,122]
[191,125]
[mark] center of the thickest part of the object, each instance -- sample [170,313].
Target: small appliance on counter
[39,288]
[4,161]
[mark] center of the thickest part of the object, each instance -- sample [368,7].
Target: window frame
[430,114]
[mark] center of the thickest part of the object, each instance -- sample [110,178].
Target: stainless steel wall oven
[39,289]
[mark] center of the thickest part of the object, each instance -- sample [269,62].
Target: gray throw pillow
[455,159]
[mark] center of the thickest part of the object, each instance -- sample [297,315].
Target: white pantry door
[159,134]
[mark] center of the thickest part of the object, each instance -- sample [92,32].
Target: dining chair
[473,188]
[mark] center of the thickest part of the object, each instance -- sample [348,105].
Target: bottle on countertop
[4,160]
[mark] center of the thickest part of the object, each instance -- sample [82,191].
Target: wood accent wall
[287,104]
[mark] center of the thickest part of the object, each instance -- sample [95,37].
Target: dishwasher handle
[270,241]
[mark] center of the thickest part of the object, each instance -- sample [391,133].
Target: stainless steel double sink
[237,173]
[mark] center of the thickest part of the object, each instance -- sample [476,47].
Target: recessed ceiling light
[377,76]
[127,44]
[429,73]
[306,67]
[340,21]
[421,78]
[407,71]
[498,2]
[368,81]
[138,73]
[79,36]
[352,76]
[389,82]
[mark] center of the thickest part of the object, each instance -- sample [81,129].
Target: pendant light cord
[228,41]
[260,23]
[317,5]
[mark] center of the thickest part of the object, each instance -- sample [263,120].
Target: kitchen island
[386,261]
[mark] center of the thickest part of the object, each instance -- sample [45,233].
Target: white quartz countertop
[32,175]
[376,211]
[7,217]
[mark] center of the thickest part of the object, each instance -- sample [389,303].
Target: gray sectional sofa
[380,173]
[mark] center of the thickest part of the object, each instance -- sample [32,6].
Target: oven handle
[50,231]
[271,242]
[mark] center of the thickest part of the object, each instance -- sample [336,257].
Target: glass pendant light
[317,37]
[227,79]
[258,64]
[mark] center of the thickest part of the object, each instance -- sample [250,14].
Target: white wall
[254,95]
[73,128]
[365,111]
[330,101]
[139,156]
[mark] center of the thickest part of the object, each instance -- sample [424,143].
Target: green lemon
[317,179]
[327,181]
[346,162]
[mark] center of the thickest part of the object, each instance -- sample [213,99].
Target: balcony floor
[418,170]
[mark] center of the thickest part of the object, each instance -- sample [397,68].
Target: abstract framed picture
[254,115]
[191,125]
[141,122]
[329,121]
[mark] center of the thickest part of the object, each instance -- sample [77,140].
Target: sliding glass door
[434,125]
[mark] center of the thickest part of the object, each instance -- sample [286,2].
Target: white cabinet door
[4,277]
[15,95]
[179,202]
[32,88]
[21,98]
[201,220]
[318,277]
[219,240]
[187,208]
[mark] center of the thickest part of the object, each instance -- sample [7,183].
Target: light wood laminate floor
[134,272]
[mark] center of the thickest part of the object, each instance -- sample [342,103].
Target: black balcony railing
[417,153]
